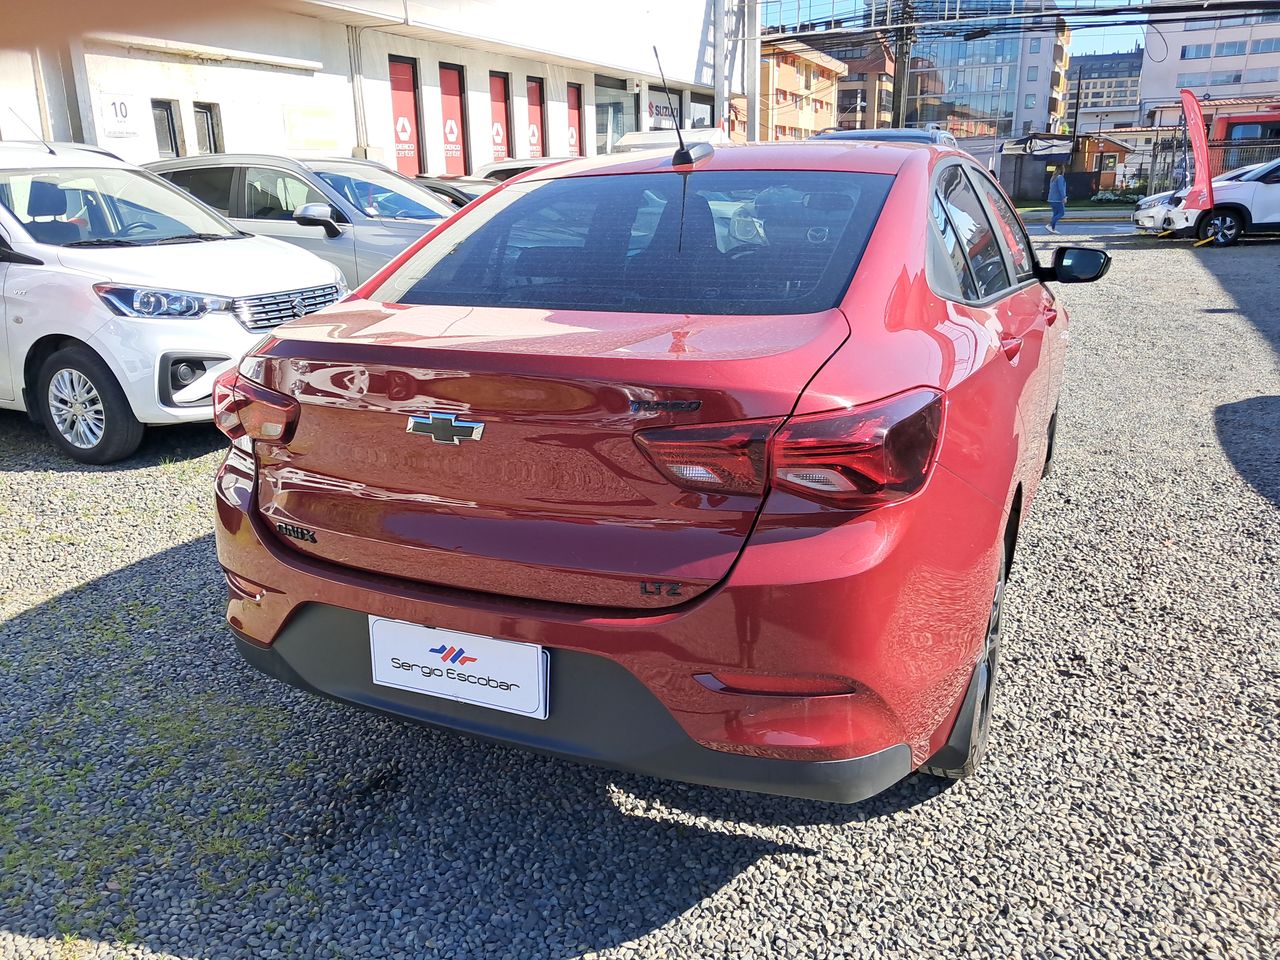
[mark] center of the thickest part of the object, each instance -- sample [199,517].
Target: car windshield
[719,242]
[1262,171]
[1238,173]
[383,194]
[106,206]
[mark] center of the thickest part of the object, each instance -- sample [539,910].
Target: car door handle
[1012,346]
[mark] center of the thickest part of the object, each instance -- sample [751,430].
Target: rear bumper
[599,714]
[893,604]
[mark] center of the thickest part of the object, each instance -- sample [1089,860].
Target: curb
[1042,216]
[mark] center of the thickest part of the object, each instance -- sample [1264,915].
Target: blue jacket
[1058,189]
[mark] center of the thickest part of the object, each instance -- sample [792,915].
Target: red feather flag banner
[1200,194]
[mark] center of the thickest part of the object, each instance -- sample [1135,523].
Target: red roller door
[404,112]
[454,120]
[500,102]
[537,126]
[575,120]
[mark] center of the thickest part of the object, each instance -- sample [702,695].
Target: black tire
[964,750]
[1052,447]
[1223,225]
[99,429]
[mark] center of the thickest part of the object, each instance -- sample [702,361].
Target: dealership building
[425,87]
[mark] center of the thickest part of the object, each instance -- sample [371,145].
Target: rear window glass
[727,242]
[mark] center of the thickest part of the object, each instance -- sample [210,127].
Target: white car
[1152,213]
[1250,204]
[122,298]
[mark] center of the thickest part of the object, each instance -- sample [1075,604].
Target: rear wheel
[967,745]
[83,408]
[1222,226]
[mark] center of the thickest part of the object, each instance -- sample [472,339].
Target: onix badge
[445,428]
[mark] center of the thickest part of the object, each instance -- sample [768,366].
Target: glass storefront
[616,112]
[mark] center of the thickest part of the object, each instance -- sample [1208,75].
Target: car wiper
[195,238]
[104,242]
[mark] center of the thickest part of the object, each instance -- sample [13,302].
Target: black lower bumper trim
[599,713]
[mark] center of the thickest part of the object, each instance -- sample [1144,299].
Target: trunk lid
[554,501]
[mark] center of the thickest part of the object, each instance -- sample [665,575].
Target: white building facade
[425,87]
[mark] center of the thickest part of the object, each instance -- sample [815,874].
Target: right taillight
[243,408]
[862,457]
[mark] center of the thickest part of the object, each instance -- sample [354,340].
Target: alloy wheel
[1224,228]
[76,408]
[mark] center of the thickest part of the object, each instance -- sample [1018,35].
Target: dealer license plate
[499,674]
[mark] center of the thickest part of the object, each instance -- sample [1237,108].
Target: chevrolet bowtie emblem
[445,428]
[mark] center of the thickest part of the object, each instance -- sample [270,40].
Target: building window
[1222,78]
[208,128]
[1029,101]
[886,78]
[1267,45]
[779,132]
[1232,48]
[1033,74]
[857,77]
[1192,79]
[1262,75]
[164,113]
[1196,51]
[1035,45]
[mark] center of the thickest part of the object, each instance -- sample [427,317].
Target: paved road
[1084,228]
[159,798]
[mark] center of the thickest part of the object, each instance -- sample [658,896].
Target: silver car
[354,213]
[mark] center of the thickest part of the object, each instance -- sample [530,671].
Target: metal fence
[1172,165]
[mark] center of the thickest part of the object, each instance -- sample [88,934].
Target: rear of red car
[555,480]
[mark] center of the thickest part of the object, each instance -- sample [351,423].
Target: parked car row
[1246,200]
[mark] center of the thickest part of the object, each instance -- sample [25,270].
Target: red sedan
[709,467]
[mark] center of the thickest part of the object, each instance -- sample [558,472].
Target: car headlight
[1150,202]
[152,303]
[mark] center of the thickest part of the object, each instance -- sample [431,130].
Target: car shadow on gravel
[24,446]
[1249,432]
[156,790]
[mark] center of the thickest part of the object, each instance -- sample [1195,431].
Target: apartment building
[865,97]
[420,85]
[1103,91]
[1221,58]
[798,90]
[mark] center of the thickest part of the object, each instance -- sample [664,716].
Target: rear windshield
[730,242]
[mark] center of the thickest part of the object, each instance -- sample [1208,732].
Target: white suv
[122,298]
[1250,204]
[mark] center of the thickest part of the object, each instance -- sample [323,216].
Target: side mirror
[317,215]
[1076,265]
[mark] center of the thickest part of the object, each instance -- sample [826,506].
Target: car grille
[273,309]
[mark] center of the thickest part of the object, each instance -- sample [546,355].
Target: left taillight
[245,409]
[855,459]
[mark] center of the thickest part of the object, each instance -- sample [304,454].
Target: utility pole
[1075,119]
[719,68]
[751,81]
[902,62]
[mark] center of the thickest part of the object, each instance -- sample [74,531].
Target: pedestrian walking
[1057,199]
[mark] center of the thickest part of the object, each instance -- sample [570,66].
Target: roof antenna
[684,156]
[33,130]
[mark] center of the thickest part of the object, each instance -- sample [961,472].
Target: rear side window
[718,242]
[209,185]
[969,220]
[1015,238]
[949,269]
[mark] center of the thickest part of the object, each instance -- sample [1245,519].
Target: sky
[1104,39]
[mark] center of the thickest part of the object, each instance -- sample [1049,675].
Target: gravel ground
[160,798]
